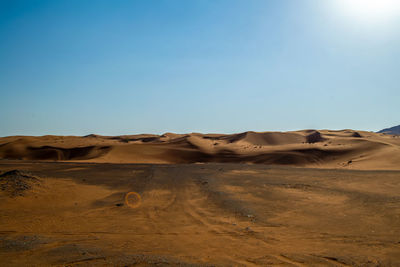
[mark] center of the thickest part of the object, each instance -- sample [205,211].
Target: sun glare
[370,11]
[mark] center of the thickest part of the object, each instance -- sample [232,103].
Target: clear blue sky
[76,67]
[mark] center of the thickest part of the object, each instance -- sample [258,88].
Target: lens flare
[133,199]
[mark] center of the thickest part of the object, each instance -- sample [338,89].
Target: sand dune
[310,148]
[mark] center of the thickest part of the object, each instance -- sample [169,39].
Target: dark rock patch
[16,183]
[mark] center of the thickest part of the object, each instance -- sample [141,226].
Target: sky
[76,67]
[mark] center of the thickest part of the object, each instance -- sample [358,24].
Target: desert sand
[304,198]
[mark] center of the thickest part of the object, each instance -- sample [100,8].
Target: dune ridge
[309,148]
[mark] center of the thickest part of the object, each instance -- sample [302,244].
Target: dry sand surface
[164,210]
[308,148]
[73,214]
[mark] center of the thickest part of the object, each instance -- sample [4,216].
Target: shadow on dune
[297,157]
[57,153]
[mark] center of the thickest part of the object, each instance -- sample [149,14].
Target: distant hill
[394,130]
